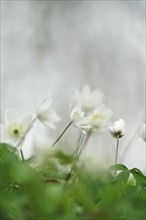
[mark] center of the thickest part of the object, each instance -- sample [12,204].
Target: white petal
[53,116]
[96,94]
[11,116]
[49,124]
[86,90]
[142,131]
[123,132]
[121,122]
[84,121]
[4,137]
[117,127]
[44,106]
[49,117]
[76,114]
[111,129]
[26,121]
[3,131]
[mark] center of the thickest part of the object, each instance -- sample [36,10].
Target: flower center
[96,117]
[75,114]
[15,130]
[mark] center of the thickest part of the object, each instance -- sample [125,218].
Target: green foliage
[58,188]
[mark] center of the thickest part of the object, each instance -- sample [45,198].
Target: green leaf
[118,167]
[63,158]
[123,177]
[138,176]
[6,150]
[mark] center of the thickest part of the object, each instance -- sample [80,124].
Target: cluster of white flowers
[88,114]
[15,129]
[90,111]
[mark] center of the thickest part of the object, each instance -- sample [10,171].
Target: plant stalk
[26,132]
[55,142]
[116,156]
[22,155]
[85,143]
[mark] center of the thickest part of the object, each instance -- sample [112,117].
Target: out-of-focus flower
[118,129]
[87,98]
[100,117]
[14,128]
[96,115]
[142,131]
[47,115]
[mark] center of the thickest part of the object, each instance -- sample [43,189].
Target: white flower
[142,131]
[100,117]
[46,114]
[76,114]
[14,128]
[78,119]
[89,100]
[118,129]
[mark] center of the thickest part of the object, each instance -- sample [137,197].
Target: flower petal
[4,137]
[26,121]
[11,116]
[76,114]
[121,122]
[44,106]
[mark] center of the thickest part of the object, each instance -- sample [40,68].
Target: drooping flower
[47,115]
[87,98]
[142,131]
[76,114]
[118,129]
[14,128]
[78,119]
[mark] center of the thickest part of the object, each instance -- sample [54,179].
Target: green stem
[116,157]
[85,143]
[22,155]
[26,132]
[55,142]
[79,152]
[79,142]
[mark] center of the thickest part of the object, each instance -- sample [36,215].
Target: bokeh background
[51,48]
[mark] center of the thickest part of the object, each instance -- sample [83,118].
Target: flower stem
[26,132]
[116,156]
[85,142]
[22,155]
[79,142]
[78,152]
[61,135]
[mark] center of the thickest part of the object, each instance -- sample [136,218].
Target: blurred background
[51,48]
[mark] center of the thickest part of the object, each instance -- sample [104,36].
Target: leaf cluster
[61,189]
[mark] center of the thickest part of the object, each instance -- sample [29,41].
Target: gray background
[50,48]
